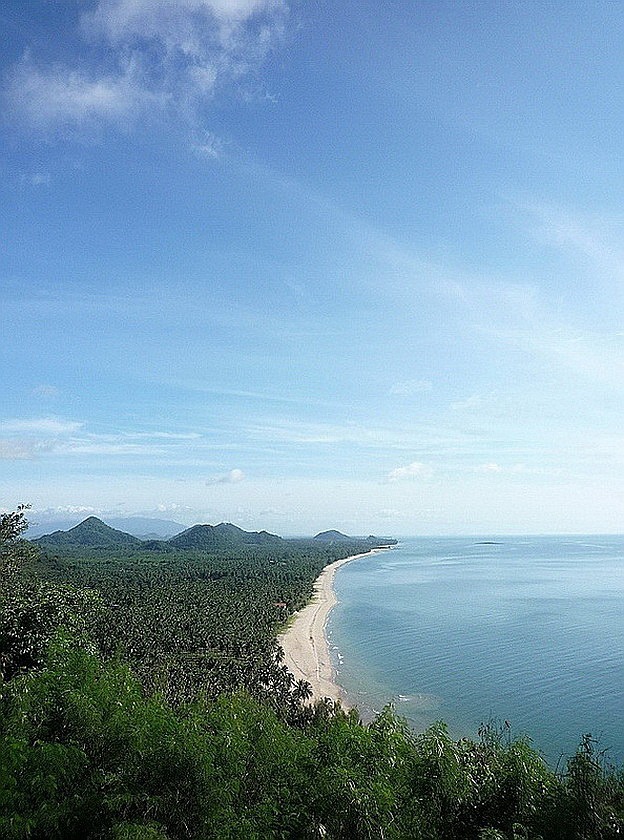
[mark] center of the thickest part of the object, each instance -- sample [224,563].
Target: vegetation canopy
[142,695]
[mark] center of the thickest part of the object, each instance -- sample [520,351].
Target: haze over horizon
[307,266]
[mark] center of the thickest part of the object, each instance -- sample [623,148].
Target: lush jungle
[142,695]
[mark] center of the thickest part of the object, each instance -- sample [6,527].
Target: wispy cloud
[182,24]
[474,401]
[45,97]
[182,436]
[522,316]
[256,396]
[598,238]
[150,55]
[25,439]
[410,387]
[491,467]
[40,426]
[93,446]
[414,470]
[70,509]
[37,179]
[328,434]
[46,391]
[597,357]
[15,449]
[209,145]
[30,437]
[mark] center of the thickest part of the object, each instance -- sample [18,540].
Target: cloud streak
[45,425]
[414,470]
[15,449]
[411,387]
[27,438]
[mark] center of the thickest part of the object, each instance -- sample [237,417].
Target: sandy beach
[306,649]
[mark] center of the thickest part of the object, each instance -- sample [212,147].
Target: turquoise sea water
[528,630]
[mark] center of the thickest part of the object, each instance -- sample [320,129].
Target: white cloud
[598,357]
[234,476]
[180,24]
[414,470]
[16,450]
[28,438]
[210,145]
[44,97]
[388,513]
[289,432]
[475,401]
[44,426]
[520,469]
[38,179]
[491,467]
[158,55]
[96,446]
[411,386]
[163,435]
[171,507]
[71,509]
[47,391]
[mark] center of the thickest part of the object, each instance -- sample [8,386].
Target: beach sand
[305,645]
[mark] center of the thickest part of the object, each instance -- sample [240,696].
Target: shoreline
[304,641]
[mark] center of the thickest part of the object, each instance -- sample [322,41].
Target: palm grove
[143,695]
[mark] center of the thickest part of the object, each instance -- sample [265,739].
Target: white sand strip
[306,650]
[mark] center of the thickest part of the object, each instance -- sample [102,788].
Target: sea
[526,633]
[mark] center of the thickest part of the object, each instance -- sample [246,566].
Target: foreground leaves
[84,752]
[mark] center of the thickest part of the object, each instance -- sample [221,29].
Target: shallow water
[528,630]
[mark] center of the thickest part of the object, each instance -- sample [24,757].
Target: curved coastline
[305,643]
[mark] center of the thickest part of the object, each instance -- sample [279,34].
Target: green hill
[222,537]
[380,542]
[333,536]
[91,533]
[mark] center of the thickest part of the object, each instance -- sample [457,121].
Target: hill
[143,527]
[380,542]
[91,533]
[371,541]
[223,537]
[333,536]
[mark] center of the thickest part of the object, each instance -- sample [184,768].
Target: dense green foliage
[143,697]
[188,620]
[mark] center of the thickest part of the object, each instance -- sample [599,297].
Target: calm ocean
[525,629]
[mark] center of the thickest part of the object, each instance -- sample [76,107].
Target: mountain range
[93,533]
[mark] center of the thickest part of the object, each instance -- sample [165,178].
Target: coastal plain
[305,643]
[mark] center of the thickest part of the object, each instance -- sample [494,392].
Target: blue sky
[311,265]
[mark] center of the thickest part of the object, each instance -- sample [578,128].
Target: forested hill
[94,534]
[372,541]
[223,536]
[91,533]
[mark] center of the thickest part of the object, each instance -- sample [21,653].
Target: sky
[308,265]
